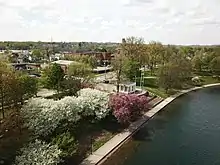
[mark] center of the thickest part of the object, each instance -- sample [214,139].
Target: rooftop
[98,69]
[128,83]
[64,62]
[24,64]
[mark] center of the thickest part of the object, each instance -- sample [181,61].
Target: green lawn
[157,91]
[152,86]
[162,93]
[148,73]
[209,80]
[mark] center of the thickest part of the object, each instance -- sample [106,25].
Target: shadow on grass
[90,134]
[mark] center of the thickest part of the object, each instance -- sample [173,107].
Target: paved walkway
[118,140]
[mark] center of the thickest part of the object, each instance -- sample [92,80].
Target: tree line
[58,46]
[173,65]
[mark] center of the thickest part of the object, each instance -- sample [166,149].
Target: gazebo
[127,87]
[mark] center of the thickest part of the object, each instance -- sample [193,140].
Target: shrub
[126,108]
[39,153]
[44,115]
[96,102]
[66,143]
[70,86]
[197,81]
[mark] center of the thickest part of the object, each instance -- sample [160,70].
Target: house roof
[17,64]
[99,69]
[128,83]
[64,62]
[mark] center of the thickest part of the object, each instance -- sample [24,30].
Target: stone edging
[114,143]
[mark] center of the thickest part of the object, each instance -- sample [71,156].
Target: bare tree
[118,67]
[132,47]
[155,52]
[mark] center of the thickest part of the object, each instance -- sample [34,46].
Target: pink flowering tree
[127,108]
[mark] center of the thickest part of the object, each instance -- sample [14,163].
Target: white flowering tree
[44,115]
[39,153]
[98,102]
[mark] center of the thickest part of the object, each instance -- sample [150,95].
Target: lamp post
[105,64]
[135,79]
[142,79]
[105,70]
[91,144]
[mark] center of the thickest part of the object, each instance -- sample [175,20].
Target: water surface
[186,132]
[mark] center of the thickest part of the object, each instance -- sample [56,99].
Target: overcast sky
[167,21]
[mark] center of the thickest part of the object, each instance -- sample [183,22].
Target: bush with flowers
[127,108]
[55,121]
[43,116]
[39,153]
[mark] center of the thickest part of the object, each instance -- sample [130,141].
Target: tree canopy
[53,76]
[80,70]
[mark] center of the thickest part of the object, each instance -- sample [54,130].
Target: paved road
[108,76]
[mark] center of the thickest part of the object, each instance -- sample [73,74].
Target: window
[126,88]
[122,87]
[129,89]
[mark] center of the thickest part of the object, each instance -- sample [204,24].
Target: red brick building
[99,55]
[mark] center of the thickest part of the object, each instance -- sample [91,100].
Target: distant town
[31,56]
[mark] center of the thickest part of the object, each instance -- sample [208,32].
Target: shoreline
[105,151]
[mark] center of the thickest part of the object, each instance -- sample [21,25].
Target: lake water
[186,132]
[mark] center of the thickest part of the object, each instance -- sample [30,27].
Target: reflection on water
[186,132]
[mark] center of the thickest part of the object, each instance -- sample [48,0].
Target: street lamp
[142,79]
[91,140]
[105,64]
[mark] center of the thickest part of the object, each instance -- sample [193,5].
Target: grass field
[157,91]
[153,87]
[209,80]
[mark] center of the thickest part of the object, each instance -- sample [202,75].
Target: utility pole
[91,141]
[105,64]
[49,47]
[135,79]
[52,45]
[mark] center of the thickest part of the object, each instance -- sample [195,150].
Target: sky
[167,21]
